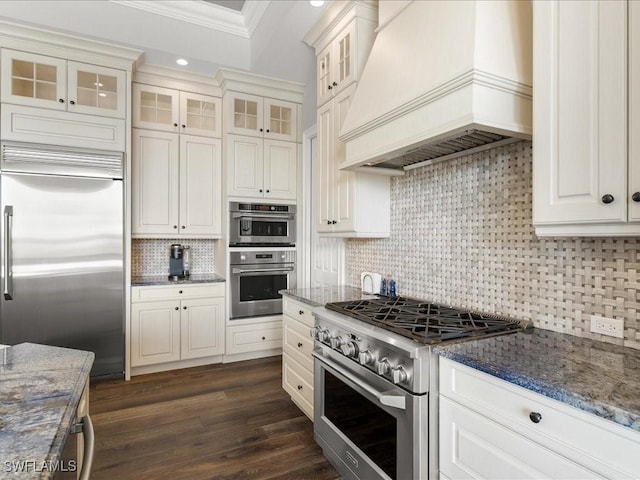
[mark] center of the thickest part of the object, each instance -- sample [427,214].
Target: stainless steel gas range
[376,382]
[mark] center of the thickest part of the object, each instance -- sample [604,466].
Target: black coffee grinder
[176,262]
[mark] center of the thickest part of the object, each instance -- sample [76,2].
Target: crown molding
[252,12]
[203,13]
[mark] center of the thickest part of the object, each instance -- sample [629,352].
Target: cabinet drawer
[177,292]
[298,310]
[252,338]
[297,342]
[598,444]
[297,381]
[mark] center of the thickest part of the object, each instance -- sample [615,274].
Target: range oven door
[262,229]
[255,287]
[367,427]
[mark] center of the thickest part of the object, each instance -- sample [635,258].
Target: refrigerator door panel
[66,265]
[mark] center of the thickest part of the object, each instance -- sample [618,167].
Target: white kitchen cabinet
[297,349]
[340,62]
[170,110]
[261,168]
[176,185]
[253,336]
[350,204]
[186,324]
[490,428]
[54,83]
[585,97]
[261,117]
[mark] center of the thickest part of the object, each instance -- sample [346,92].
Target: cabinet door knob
[636,197]
[184,308]
[328,222]
[260,190]
[184,126]
[299,387]
[175,226]
[268,130]
[261,130]
[61,100]
[299,344]
[175,124]
[535,417]
[608,198]
[183,227]
[180,291]
[268,190]
[329,87]
[72,102]
[301,312]
[334,222]
[334,84]
[177,308]
[264,338]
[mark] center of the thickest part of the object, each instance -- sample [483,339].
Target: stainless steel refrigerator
[62,257]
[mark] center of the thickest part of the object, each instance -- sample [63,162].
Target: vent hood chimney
[444,78]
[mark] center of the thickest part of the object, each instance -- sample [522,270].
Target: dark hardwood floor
[230,421]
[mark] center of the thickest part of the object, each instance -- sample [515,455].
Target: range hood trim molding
[470,77]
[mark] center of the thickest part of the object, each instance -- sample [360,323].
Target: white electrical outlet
[607,326]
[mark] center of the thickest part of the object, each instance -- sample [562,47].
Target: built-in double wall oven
[262,260]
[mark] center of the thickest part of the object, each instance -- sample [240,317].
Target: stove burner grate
[425,322]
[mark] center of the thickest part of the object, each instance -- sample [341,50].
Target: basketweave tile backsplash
[462,234]
[151,256]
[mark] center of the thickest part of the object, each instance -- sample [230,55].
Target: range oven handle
[264,270]
[272,216]
[388,399]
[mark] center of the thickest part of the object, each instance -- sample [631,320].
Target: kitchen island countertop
[318,296]
[597,377]
[40,388]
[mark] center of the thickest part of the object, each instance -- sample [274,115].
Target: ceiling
[232,4]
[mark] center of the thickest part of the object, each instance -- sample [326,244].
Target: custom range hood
[443,79]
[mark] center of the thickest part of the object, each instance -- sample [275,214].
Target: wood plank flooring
[220,422]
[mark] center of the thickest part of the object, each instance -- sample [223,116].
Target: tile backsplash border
[151,256]
[462,234]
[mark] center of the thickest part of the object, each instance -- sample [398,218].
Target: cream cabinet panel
[261,117]
[202,328]
[47,82]
[245,166]
[155,333]
[253,337]
[484,419]
[298,383]
[177,292]
[582,162]
[634,111]
[280,172]
[200,186]
[34,80]
[350,204]
[200,114]
[156,108]
[97,90]
[155,173]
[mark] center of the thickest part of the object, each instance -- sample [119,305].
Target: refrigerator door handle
[8,280]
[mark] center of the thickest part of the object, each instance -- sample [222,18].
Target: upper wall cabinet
[262,117]
[337,68]
[170,110]
[49,82]
[586,99]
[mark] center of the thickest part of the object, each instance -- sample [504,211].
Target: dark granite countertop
[148,280]
[40,387]
[317,297]
[596,377]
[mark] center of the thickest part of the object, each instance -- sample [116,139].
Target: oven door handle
[273,216]
[265,270]
[388,398]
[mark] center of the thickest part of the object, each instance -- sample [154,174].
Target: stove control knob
[383,366]
[322,334]
[337,342]
[365,358]
[313,333]
[350,349]
[399,374]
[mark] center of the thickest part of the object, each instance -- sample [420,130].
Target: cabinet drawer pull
[264,338]
[301,312]
[179,291]
[299,344]
[636,197]
[535,417]
[608,198]
[299,387]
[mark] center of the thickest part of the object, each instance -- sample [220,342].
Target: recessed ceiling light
[182,61]
[316,3]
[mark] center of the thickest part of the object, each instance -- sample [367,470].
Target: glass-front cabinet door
[280,120]
[200,114]
[155,108]
[245,115]
[96,90]
[325,79]
[34,80]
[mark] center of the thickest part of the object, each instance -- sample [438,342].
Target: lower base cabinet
[490,428]
[297,350]
[254,337]
[188,323]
